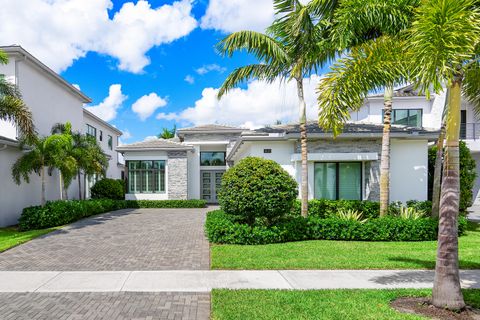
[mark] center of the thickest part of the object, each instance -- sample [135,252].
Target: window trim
[94,129]
[128,170]
[337,179]
[110,142]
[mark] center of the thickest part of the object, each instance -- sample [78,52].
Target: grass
[316,304]
[325,254]
[11,237]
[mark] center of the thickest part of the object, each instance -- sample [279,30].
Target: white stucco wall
[50,102]
[408,170]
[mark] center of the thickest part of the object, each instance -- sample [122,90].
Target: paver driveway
[131,239]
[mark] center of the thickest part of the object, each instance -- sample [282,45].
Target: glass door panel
[325,177]
[350,180]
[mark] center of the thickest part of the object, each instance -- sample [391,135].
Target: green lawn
[326,254]
[10,237]
[319,304]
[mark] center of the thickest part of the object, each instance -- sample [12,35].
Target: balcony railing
[470,131]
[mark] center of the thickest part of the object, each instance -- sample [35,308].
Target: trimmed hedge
[108,189]
[57,213]
[220,228]
[323,208]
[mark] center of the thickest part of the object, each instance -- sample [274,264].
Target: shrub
[221,228]
[257,189]
[57,213]
[323,208]
[108,189]
[468,174]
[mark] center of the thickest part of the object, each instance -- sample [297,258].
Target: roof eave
[89,113]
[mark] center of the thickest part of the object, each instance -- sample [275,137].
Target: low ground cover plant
[57,213]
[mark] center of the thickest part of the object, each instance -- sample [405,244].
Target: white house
[51,100]
[343,168]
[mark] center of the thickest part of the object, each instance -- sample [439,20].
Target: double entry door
[210,182]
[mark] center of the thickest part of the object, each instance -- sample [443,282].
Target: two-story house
[52,100]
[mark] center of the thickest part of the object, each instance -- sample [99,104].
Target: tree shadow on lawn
[430,264]
[470,278]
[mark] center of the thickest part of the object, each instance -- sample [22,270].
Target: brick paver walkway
[132,239]
[111,306]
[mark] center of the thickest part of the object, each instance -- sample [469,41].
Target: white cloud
[190,79]
[77,86]
[258,105]
[61,31]
[126,134]
[235,15]
[210,67]
[150,138]
[145,106]
[107,109]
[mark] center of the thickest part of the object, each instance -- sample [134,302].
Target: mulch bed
[422,306]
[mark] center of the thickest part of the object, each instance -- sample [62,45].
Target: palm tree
[42,153]
[168,133]
[88,156]
[444,46]
[64,160]
[291,49]
[12,108]
[437,173]
[369,35]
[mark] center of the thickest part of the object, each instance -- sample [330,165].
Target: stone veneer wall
[371,168]
[177,175]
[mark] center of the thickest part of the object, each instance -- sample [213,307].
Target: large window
[407,117]
[91,131]
[338,180]
[212,158]
[146,176]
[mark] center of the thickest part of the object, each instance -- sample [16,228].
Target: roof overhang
[94,117]
[127,149]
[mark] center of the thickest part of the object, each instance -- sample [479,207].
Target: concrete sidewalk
[205,281]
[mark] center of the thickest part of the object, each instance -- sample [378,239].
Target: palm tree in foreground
[291,49]
[373,60]
[12,108]
[445,48]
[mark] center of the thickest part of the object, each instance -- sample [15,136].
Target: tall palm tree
[368,33]
[12,107]
[88,156]
[42,153]
[291,49]
[445,48]
[168,133]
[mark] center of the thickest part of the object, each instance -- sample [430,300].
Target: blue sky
[152,64]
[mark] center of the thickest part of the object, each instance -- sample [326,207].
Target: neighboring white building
[413,109]
[51,100]
[347,167]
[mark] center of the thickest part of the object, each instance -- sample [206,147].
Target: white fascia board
[225,142]
[353,156]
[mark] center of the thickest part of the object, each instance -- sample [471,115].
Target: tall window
[146,176]
[212,158]
[91,131]
[338,180]
[407,117]
[100,136]
[110,142]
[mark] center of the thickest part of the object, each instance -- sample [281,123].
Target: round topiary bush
[108,189]
[257,188]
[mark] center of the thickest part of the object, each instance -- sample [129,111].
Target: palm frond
[264,47]
[444,35]
[368,67]
[3,57]
[259,71]
[14,110]
[471,85]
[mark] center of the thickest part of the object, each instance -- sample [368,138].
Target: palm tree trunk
[85,186]
[385,157]
[437,174]
[446,287]
[60,184]
[303,144]
[79,185]
[42,177]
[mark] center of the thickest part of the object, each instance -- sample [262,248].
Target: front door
[210,182]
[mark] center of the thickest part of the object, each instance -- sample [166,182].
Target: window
[91,131]
[212,158]
[110,142]
[407,117]
[100,136]
[146,176]
[267,150]
[338,180]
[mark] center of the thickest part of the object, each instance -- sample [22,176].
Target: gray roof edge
[89,113]
[29,57]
